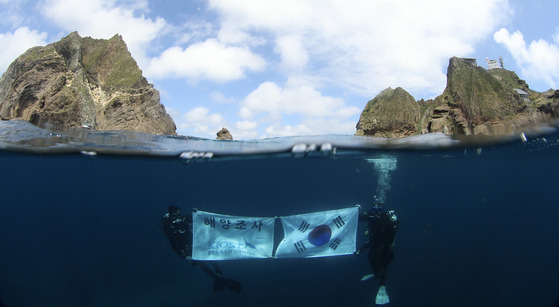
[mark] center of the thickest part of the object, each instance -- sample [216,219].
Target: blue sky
[275,68]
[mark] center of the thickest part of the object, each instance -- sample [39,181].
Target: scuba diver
[178,229]
[382,226]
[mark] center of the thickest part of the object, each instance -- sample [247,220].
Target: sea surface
[80,213]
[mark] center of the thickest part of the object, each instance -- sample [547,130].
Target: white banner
[224,237]
[319,234]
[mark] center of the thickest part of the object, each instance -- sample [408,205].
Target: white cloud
[203,114]
[14,44]
[194,31]
[266,98]
[297,99]
[246,125]
[211,60]
[312,127]
[299,103]
[229,34]
[539,60]
[288,130]
[199,121]
[366,46]
[292,52]
[245,130]
[104,19]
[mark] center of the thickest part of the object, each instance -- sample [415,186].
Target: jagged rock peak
[82,81]
[476,101]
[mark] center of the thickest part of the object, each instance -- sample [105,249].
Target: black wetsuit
[178,229]
[382,232]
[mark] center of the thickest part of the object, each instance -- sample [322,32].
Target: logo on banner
[222,247]
[230,247]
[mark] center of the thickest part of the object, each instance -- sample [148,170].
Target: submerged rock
[86,82]
[475,101]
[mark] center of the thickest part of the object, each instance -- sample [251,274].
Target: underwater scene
[81,218]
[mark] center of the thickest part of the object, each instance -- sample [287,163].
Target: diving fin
[367,277]
[221,283]
[382,297]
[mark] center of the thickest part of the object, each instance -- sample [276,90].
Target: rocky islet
[93,83]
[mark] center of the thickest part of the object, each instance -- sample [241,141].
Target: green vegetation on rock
[391,110]
[110,63]
[38,53]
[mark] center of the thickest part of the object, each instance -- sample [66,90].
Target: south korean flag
[319,234]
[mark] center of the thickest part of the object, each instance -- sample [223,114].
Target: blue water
[478,224]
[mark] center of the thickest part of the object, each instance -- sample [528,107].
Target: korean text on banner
[319,234]
[224,237]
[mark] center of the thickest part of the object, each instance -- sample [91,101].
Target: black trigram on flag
[299,246]
[339,222]
[335,243]
[304,226]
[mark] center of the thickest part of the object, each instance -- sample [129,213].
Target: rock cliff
[82,82]
[475,101]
